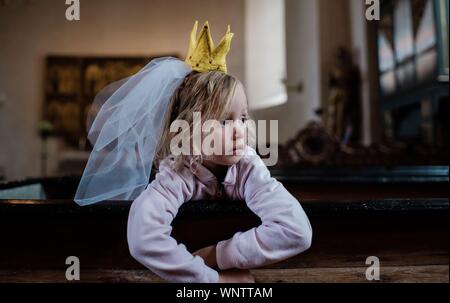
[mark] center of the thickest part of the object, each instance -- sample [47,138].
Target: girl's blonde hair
[209,93]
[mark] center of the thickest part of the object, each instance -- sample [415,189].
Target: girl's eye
[224,122]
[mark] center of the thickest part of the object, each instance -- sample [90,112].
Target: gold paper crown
[202,56]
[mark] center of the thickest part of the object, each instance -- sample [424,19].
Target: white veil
[126,119]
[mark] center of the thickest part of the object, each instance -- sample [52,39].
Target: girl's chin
[228,160]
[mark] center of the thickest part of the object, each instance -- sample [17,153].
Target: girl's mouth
[237,149]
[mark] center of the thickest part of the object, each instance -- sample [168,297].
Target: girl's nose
[239,130]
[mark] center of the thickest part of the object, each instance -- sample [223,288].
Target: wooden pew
[409,233]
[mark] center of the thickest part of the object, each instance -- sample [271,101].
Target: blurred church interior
[345,91]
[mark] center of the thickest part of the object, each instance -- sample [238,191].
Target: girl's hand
[236,276]
[209,255]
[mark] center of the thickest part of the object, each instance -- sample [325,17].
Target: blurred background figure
[343,113]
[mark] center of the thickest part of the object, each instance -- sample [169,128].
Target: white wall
[265,60]
[314,31]
[303,66]
[29,32]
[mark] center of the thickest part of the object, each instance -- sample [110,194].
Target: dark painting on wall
[71,83]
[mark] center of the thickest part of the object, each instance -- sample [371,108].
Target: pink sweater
[285,230]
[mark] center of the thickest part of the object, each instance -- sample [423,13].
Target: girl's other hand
[236,276]
[209,255]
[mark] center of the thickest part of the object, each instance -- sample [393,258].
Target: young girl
[234,174]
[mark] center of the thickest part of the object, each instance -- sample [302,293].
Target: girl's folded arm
[285,230]
[149,229]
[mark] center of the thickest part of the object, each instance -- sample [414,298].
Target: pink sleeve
[285,230]
[149,229]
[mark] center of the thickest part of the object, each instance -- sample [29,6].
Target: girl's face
[233,136]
